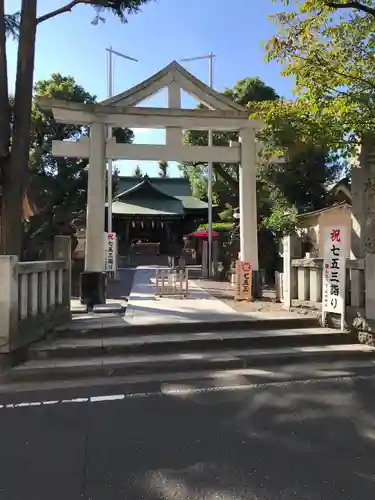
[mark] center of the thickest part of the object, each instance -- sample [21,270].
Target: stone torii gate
[121,111]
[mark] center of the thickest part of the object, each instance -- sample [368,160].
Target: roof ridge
[145,181]
[324,209]
[154,178]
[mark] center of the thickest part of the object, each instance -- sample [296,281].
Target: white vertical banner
[287,276]
[335,240]
[110,252]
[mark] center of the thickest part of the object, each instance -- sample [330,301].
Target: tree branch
[364,81]
[352,5]
[62,10]
[225,176]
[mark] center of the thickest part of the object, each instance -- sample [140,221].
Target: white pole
[210,57]
[209,185]
[109,161]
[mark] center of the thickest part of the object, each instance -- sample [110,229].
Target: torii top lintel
[174,72]
[121,110]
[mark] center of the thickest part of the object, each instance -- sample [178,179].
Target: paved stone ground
[308,440]
[267,304]
[146,308]
[207,299]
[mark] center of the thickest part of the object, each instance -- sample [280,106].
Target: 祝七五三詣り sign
[334,270]
[243,280]
[110,252]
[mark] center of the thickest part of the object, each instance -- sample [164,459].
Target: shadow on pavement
[303,440]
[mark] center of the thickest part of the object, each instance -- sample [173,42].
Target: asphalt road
[307,440]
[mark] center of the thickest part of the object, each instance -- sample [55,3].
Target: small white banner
[110,252]
[334,271]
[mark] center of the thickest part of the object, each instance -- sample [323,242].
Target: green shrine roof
[155,196]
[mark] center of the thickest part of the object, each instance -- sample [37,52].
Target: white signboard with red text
[243,280]
[334,271]
[110,252]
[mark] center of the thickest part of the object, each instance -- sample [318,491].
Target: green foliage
[329,49]
[60,183]
[14,131]
[120,8]
[224,229]
[281,221]
[218,226]
[138,172]
[163,168]
[292,131]
[12,24]
[225,183]
[227,213]
[251,90]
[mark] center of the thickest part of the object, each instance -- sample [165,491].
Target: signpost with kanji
[334,271]
[110,252]
[243,280]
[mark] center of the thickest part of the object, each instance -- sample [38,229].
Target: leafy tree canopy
[12,24]
[163,168]
[60,183]
[251,89]
[138,171]
[329,49]
[297,185]
[120,8]
[15,128]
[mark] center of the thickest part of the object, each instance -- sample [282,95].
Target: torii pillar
[248,203]
[93,279]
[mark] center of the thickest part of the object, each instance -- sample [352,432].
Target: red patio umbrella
[204,234]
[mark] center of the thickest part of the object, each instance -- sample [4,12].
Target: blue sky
[165,30]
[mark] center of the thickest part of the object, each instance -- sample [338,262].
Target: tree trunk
[4,96]
[16,171]
[363,227]
[369,234]
[368,189]
[357,188]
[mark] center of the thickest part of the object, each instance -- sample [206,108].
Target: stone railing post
[303,283]
[291,245]
[279,287]
[316,284]
[8,301]
[62,250]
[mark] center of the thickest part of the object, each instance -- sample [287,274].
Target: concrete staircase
[204,346]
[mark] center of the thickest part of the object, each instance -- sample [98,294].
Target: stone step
[78,309]
[109,307]
[111,366]
[118,327]
[70,347]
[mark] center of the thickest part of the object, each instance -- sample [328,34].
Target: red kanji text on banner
[334,271]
